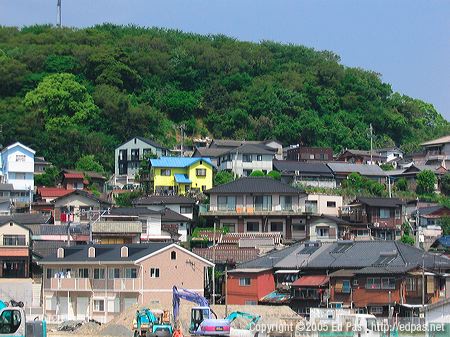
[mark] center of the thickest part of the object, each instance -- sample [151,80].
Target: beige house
[14,250]
[101,281]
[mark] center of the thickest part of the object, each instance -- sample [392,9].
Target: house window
[99,274]
[247,158]
[83,273]
[200,172]
[259,157]
[173,255]
[186,209]
[113,273]
[14,240]
[385,213]
[251,302]
[346,289]
[123,168]
[286,202]
[244,281]
[276,227]
[387,283]
[99,305]
[20,176]
[373,283]
[226,203]
[376,310]
[130,273]
[363,232]
[411,284]
[122,155]
[20,157]
[322,231]
[135,154]
[296,227]
[252,226]
[231,227]
[331,204]
[50,273]
[311,206]
[262,202]
[165,172]
[154,272]
[246,173]
[397,213]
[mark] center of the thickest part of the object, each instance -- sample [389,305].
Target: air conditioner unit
[297,173]
[376,224]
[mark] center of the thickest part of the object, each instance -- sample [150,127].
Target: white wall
[18,160]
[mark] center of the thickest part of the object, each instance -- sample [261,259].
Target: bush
[274,175]
[407,239]
[401,184]
[445,184]
[223,177]
[426,180]
[257,173]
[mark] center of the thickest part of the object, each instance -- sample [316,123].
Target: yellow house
[179,175]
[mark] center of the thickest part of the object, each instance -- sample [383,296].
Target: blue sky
[407,41]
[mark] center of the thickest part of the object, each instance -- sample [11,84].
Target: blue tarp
[444,241]
[276,298]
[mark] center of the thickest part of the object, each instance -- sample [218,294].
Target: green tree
[426,181]
[445,184]
[12,74]
[126,199]
[407,239]
[48,178]
[274,175]
[257,173]
[387,167]
[223,177]
[89,163]
[445,225]
[401,184]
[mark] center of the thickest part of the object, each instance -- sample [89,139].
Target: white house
[18,166]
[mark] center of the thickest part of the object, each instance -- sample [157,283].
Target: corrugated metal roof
[173,162]
[182,179]
[363,169]
[311,281]
[117,227]
[254,185]
[276,297]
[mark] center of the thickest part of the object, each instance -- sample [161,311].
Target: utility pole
[226,291]
[58,13]
[371,144]
[182,127]
[214,266]
[417,225]
[423,282]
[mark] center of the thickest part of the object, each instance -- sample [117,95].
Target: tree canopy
[73,92]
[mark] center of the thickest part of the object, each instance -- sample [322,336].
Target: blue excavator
[151,323]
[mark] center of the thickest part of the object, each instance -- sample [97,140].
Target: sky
[406,41]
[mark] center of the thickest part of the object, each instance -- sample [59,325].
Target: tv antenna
[58,13]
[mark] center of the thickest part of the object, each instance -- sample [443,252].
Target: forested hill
[68,92]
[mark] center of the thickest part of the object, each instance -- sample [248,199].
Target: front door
[82,308]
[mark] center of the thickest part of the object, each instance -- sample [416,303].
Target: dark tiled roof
[163,200]
[6,187]
[430,210]
[211,152]
[134,211]
[233,143]
[167,215]
[380,202]
[46,248]
[151,142]
[304,168]
[253,149]
[363,169]
[106,252]
[85,194]
[254,185]
[57,229]
[25,218]
[269,260]
[227,254]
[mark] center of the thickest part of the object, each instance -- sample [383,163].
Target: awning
[182,179]
[419,273]
[276,297]
[311,281]
[287,271]
[411,306]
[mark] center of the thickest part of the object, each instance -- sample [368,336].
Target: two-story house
[15,255]
[245,159]
[78,180]
[101,281]
[379,218]
[309,154]
[437,151]
[177,203]
[17,162]
[78,207]
[257,204]
[230,144]
[361,157]
[181,175]
[128,157]
[342,170]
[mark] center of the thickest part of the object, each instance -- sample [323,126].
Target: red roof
[311,281]
[49,192]
[73,176]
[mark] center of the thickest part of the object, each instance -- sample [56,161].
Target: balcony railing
[70,284]
[249,209]
[85,284]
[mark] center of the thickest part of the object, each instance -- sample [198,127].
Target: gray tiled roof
[380,202]
[269,260]
[6,187]
[167,215]
[254,185]
[133,211]
[25,218]
[211,152]
[304,168]
[253,149]
[106,252]
[163,200]
[363,169]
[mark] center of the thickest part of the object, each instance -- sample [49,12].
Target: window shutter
[430,284]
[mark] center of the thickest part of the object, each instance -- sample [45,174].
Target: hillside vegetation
[73,92]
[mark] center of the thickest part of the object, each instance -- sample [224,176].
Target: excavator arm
[187,295]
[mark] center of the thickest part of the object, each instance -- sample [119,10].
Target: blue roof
[182,179]
[445,240]
[177,161]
